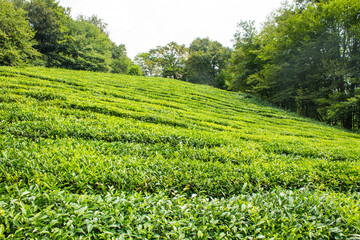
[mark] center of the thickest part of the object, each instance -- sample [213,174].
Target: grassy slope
[101,155]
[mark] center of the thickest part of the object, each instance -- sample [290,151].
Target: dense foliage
[306,59]
[207,62]
[43,26]
[88,48]
[100,155]
[16,36]
[49,21]
[204,62]
[166,61]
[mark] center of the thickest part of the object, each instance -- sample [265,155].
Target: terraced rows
[91,155]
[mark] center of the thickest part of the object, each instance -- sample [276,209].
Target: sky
[145,24]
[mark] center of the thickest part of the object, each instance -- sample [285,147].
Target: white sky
[145,24]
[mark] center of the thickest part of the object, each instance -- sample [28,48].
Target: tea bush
[98,156]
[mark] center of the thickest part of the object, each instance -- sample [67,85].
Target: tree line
[203,62]
[305,58]
[41,32]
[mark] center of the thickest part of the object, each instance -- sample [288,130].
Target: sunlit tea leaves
[101,156]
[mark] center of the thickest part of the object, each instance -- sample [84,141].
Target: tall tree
[309,61]
[96,21]
[16,44]
[147,64]
[207,60]
[169,60]
[49,20]
[87,48]
[245,61]
[121,63]
[81,44]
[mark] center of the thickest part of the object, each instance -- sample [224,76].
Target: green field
[88,155]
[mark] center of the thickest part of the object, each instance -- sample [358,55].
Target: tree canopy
[207,60]
[168,61]
[16,36]
[50,22]
[204,62]
[89,48]
[305,59]
[45,27]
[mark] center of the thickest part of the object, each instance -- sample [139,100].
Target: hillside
[93,155]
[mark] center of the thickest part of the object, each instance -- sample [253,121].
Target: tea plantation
[101,156]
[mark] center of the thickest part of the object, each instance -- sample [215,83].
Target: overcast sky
[145,24]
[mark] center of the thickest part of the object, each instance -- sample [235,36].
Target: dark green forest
[305,58]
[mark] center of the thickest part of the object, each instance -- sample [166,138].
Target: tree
[169,60]
[206,61]
[96,21]
[81,44]
[120,61]
[87,48]
[306,59]
[148,65]
[135,70]
[245,63]
[16,44]
[341,62]
[18,4]
[49,21]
